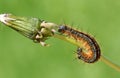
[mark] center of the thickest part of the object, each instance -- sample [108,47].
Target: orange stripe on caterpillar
[89,51]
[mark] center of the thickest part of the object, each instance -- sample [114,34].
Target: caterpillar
[89,51]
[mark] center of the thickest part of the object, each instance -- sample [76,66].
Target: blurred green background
[21,58]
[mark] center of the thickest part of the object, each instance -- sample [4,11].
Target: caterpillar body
[89,51]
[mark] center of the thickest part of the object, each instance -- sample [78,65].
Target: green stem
[67,39]
[109,63]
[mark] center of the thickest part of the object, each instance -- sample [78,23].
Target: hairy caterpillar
[89,51]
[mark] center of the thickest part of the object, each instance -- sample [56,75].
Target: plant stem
[65,38]
[110,63]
